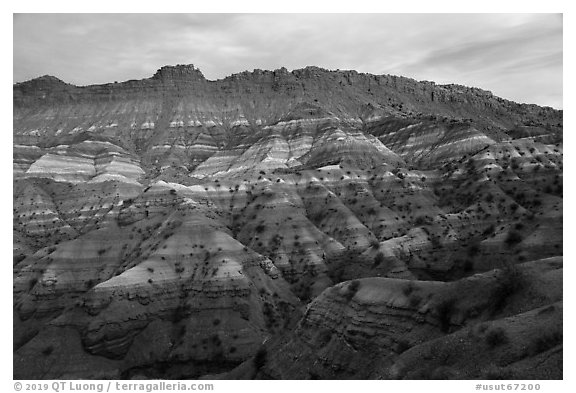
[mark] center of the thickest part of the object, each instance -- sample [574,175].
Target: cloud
[517,56]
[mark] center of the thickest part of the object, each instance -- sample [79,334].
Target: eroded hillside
[281,224]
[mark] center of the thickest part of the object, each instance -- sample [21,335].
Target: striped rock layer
[173,227]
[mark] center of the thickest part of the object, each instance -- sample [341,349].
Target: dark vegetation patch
[496,337]
[351,289]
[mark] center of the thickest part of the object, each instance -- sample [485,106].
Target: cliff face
[207,214]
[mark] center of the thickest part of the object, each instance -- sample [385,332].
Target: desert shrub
[511,280]
[181,312]
[18,258]
[488,231]
[513,238]
[215,340]
[48,350]
[444,311]
[260,358]
[435,242]
[101,251]
[473,250]
[260,228]
[351,289]
[402,345]
[378,259]
[32,282]
[496,337]
[414,299]
[422,220]
[408,288]
[324,337]
[544,342]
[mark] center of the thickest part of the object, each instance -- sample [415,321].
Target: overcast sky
[516,56]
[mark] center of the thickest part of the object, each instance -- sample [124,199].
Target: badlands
[310,224]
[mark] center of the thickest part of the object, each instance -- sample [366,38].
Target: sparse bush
[414,299]
[444,310]
[513,238]
[511,281]
[496,337]
[324,337]
[473,250]
[422,220]
[18,258]
[378,259]
[216,340]
[544,342]
[181,312]
[436,243]
[489,231]
[402,345]
[260,358]
[468,265]
[351,289]
[48,350]
[408,288]
[32,283]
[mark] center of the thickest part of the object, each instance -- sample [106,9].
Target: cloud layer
[516,56]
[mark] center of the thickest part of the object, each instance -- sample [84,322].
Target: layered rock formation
[486,326]
[168,227]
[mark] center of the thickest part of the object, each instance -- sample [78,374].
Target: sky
[516,56]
